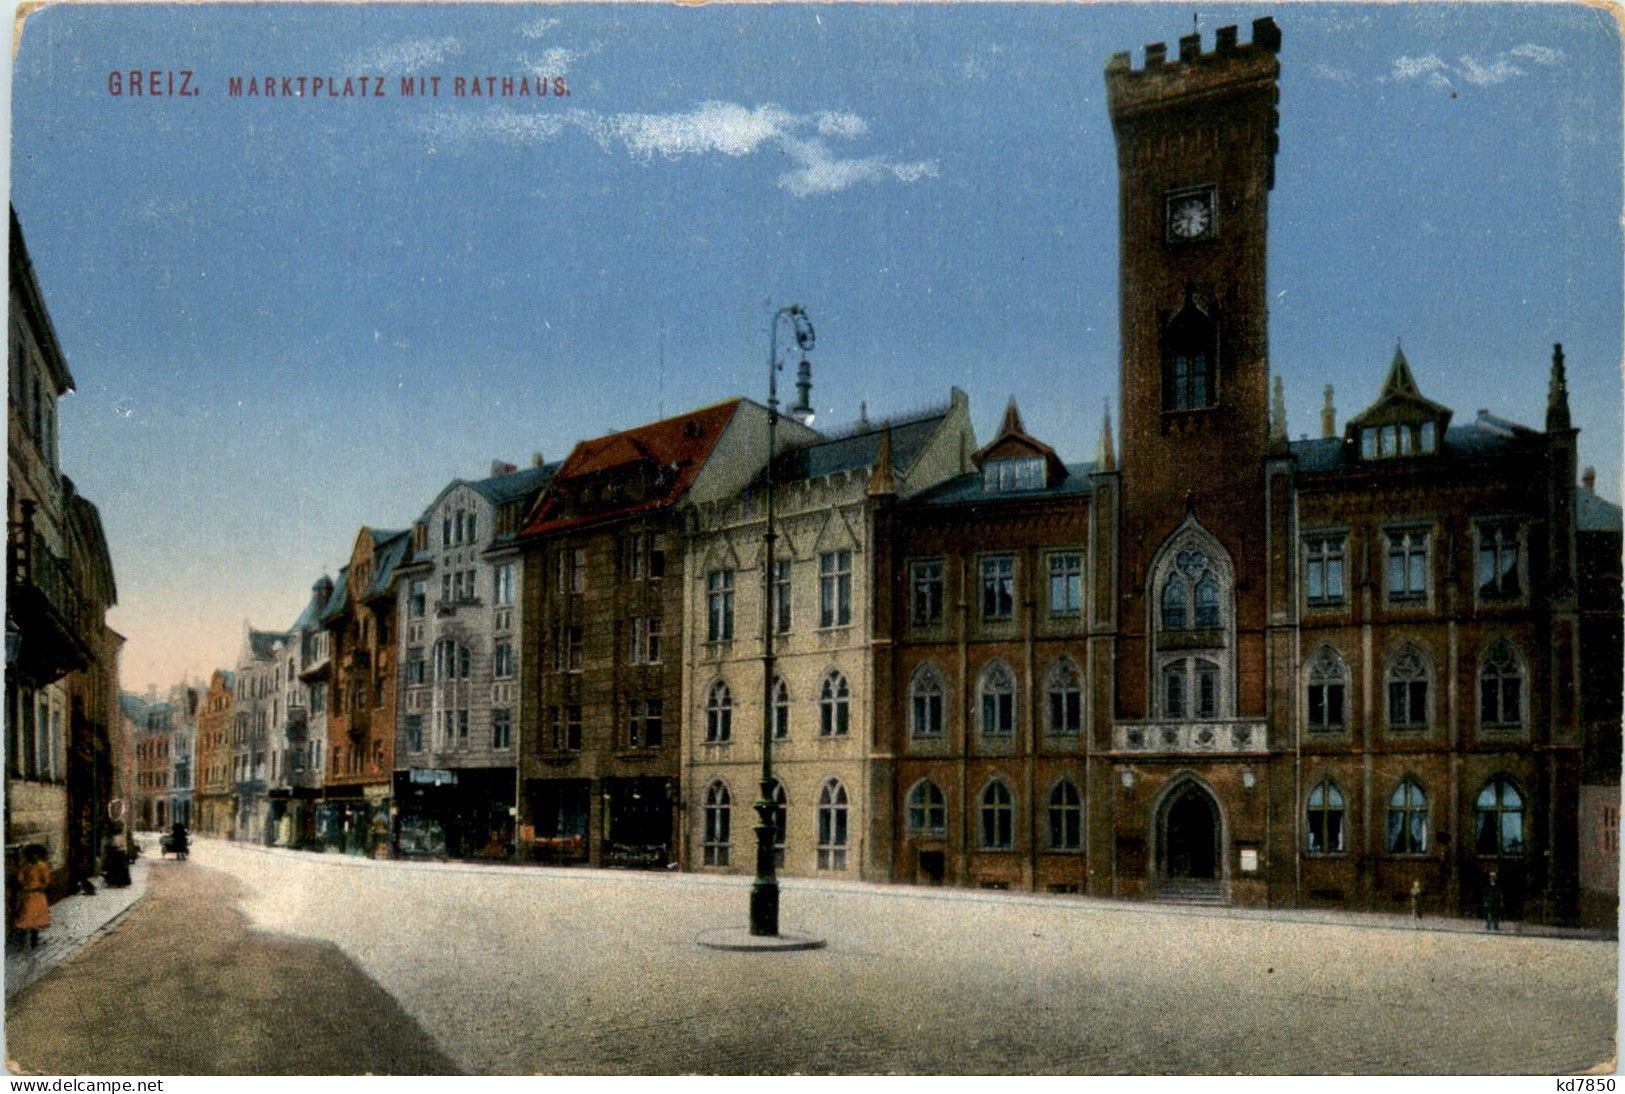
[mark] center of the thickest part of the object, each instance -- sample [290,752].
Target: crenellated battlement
[1193,72]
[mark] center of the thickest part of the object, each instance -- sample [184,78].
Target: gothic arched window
[1189,354]
[1408,689]
[1063,687]
[1328,689]
[998,700]
[925,702]
[1500,687]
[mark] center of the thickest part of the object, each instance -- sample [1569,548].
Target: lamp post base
[764,908]
[740,940]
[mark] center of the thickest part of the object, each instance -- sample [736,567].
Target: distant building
[256,711]
[457,746]
[214,808]
[298,770]
[185,701]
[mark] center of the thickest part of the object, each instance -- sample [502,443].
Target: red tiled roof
[679,445]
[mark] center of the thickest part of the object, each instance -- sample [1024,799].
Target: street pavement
[75,921]
[355,966]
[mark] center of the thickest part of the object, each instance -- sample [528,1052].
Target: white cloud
[1540,55]
[1408,68]
[401,58]
[712,128]
[1498,69]
[539,27]
[555,60]
[1331,72]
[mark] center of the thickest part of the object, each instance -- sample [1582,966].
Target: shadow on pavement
[184,986]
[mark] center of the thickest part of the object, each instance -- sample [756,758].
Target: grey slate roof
[516,484]
[1594,514]
[1486,435]
[311,617]
[391,552]
[260,642]
[966,489]
[857,451]
[341,595]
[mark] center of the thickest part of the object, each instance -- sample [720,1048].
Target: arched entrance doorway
[1190,859]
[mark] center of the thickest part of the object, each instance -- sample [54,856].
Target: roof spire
[1399,380]
[1108,456]
[1328,415]
[882,482]
[1012,419]
[1557,394]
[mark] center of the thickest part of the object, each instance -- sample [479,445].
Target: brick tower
[1196,140]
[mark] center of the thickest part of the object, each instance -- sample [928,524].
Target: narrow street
[243,960]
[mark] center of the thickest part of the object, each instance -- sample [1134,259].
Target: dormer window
[1402,422]
[1019,474]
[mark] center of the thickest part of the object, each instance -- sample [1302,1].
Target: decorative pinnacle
[1557,394]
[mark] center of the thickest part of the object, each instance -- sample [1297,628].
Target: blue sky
[288,318]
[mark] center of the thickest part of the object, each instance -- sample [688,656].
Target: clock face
[1190,216]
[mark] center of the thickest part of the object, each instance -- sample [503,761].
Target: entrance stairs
[1188,890]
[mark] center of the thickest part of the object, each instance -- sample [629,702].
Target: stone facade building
[256,710]
[457,744]
[61,658]
[832,784]
[603,602]
[300,769]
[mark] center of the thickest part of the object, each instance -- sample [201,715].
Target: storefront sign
[433,776]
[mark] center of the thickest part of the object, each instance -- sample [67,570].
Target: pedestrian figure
[1416,900]
[1492,903]
[33,878]
[115,866]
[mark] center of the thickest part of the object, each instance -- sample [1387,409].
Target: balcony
[55,624]
[1219,737]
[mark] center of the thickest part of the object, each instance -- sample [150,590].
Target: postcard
[928,539]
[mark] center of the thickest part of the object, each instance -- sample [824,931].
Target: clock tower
[1196,141]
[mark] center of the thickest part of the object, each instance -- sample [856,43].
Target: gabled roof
[1400,400]
[859,449]
[972,487]
[340,600]
[1594,514]
[1012,439]
[671,451]
[311,617]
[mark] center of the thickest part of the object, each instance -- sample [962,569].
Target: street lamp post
[764,891]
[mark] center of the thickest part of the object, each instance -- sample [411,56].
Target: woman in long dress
[33,878]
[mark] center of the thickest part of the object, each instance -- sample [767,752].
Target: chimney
[1328,415]
[536,459]
[501,467]
[1589,480]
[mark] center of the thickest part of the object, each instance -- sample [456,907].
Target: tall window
[925,592]
[832,826]
[1408,689]
[572,727]
[1323,569]
[1065,816]
[1175,603]
[1207,601]
[414,732]
[1065,583]
[719,713]
[418,599]
[1063,688]
[1173,690]
[1189,347]
[1408,819]
[927,809]
[502,659]
[1325,819]
[1407,564]
[1328,684]
[781,595]
[504,584]
[501,728]
[574,648]
[719,599]
[998,587]
[998,817]
[1498,819]
[1500,687]
[1190,688]
[834,588]
[998,700]
[635,548]
[781,709]
[654,723]
[1498,561]
[578,570]
[833,706]
[718,806]
[643,639]
[1191,593]
[925,702]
